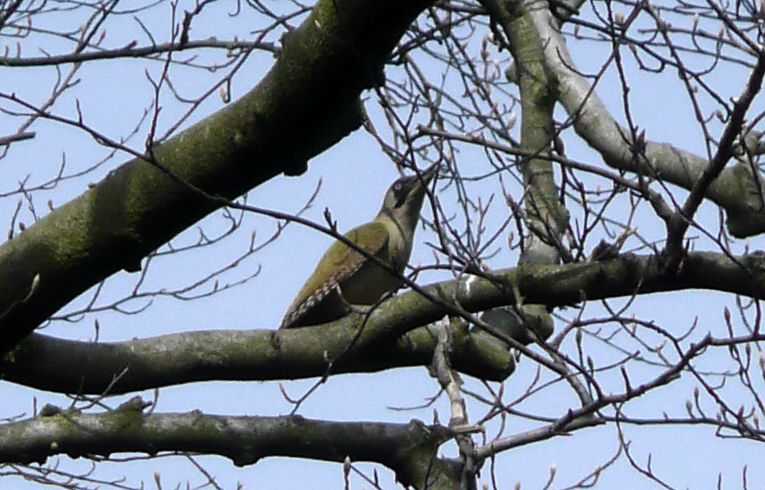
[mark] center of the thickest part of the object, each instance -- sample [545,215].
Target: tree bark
[307,102]
[68,366]
[736,189]
[551,285]
[408,449]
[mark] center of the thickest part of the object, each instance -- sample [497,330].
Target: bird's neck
[402,225]
[400,237]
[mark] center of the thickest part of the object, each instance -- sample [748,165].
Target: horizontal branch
[307,102]
[736,189]
[61,365]
[68,366]
[132,51]
[408,449]
[560,285]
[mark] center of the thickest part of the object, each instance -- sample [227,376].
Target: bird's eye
[397,186]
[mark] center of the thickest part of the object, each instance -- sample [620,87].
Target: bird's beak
[428,174]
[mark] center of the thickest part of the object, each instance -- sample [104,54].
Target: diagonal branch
[306,103]
[7,140]
[712,171]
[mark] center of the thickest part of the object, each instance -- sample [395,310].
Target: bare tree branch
[735,189]
[244,440]
[136,209]
[111,368]
[133,51]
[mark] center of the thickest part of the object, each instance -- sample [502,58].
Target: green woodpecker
[345,277]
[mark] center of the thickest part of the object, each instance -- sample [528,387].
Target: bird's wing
[337,264]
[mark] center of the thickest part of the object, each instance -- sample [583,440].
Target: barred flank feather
[317,297]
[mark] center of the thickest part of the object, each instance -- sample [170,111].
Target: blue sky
[353,175]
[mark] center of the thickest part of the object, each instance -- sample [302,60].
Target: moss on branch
[408,449]
[379,345]
[307,102]
[68,366]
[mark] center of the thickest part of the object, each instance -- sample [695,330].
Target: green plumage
[345,277]
[319,298]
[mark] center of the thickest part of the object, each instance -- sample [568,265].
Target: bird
[345,278]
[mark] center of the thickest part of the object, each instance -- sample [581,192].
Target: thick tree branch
[307,351]
[736,189]
[67,366]
[408,449]
[546,217]
[306,103]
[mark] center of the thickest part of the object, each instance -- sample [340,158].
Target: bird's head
[404,198]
